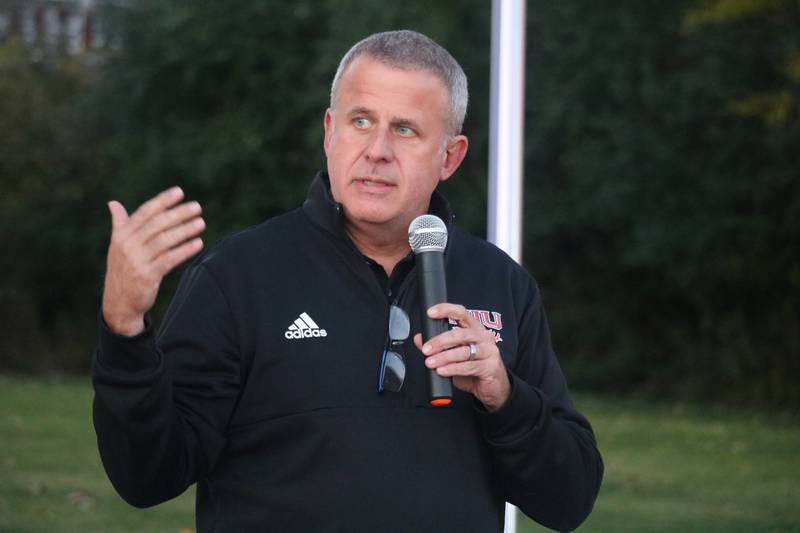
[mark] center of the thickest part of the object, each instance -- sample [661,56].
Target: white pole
[506,140]
[506,126]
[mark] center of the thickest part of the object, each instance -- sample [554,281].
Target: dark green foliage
[663,225]
[50,173]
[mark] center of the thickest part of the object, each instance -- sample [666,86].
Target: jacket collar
[329,214]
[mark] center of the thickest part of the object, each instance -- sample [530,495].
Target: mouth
[374,182]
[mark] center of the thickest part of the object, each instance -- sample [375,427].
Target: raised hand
[145,246]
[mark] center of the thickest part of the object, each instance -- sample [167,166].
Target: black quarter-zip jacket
[286,432]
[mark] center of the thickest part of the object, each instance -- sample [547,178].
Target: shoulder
[479,254]
[481,271]
[259,244]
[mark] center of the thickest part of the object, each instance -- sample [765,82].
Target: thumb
[118,214]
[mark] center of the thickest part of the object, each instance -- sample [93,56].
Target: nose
[379,149]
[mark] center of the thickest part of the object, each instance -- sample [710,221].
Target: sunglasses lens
[399,324]
[393,372]
[393,368]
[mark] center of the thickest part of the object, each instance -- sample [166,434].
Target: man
[262,386]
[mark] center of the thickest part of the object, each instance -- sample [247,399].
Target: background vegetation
[662,197]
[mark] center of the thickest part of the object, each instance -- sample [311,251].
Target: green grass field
[668,468]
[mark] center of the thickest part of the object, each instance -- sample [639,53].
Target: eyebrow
[395,121]
[359,110]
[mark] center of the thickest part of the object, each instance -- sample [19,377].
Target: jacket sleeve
[161,405]
[544,450]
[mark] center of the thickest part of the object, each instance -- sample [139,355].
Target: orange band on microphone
[440,402]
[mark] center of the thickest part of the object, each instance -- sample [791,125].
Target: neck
[384,247]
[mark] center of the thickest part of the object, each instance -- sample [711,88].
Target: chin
[371,218]
[375,212]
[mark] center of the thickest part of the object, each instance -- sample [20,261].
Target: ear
[328,125]
[455,151]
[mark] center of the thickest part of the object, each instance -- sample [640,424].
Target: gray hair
[410,50]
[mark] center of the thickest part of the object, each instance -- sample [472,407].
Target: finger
[458,354]
[450,339]
[464,368]
[421,347]
[168,219]
[166,240]
[418,341]
[155,205]
[169,260]
[118,214]
[456,312]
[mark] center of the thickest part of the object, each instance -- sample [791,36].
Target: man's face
[387,143]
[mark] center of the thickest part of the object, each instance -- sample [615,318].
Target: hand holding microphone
[467,356]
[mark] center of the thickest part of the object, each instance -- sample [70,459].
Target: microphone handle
[432,291]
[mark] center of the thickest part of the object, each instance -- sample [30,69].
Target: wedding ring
[473,352]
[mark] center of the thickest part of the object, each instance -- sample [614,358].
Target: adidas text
[305,333]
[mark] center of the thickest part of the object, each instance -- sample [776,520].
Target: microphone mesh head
[427,233]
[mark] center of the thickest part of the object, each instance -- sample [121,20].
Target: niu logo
[491,320]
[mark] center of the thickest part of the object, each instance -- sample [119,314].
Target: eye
[361,122]
[405,131]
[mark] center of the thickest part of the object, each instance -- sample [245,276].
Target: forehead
[369,83]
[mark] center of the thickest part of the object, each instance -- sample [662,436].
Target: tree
[48,168]
[664,219]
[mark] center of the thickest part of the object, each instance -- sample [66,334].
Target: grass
[51,478]
[668,468]
[693,469]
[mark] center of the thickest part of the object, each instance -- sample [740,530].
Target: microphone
[427,236]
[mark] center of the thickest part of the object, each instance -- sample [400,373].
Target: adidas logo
[303,328]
